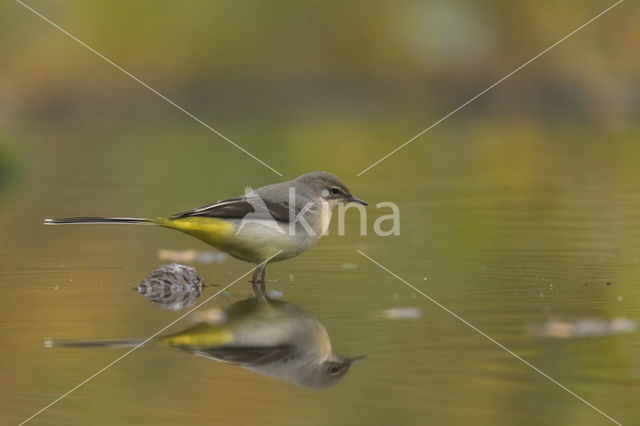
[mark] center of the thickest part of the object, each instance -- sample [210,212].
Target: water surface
[510,232]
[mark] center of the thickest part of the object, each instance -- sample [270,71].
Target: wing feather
[237,208]
[247,355]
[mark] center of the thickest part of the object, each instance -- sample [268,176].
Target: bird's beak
[356,359]
[358,200]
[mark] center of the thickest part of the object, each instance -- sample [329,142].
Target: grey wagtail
[269,337]
[281,220]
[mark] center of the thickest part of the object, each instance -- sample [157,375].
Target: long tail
[48,343]
[76,220]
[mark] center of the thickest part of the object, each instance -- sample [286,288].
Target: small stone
[402,313]
[172,286]
[274,293]
[349,266]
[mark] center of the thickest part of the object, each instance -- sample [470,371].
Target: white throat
[326,208]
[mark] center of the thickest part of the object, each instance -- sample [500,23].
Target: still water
[525,240]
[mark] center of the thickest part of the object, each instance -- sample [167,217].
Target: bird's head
[326,373]
[329,187]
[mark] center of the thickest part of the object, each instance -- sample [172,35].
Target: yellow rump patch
[210,230]
[210,337]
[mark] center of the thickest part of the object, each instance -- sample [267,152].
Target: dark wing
[237,208]
[249,356]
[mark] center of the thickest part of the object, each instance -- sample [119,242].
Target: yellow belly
[252,241]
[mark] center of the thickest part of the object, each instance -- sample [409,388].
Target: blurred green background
[516,210]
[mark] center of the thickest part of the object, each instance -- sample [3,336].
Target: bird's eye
[335,190]
[334,370]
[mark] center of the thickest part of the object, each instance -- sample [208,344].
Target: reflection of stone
[210,316]
[172,286]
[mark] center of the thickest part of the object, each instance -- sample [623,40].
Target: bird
[270,337]
[270,224]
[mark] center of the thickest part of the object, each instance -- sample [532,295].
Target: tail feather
[48,343]
[77,220]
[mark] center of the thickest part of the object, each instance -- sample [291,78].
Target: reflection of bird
[280,220]
[269,337]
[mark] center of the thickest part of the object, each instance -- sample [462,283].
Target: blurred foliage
[259,56]
[7,164]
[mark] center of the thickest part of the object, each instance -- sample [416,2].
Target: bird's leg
[258,285]
[263,278]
